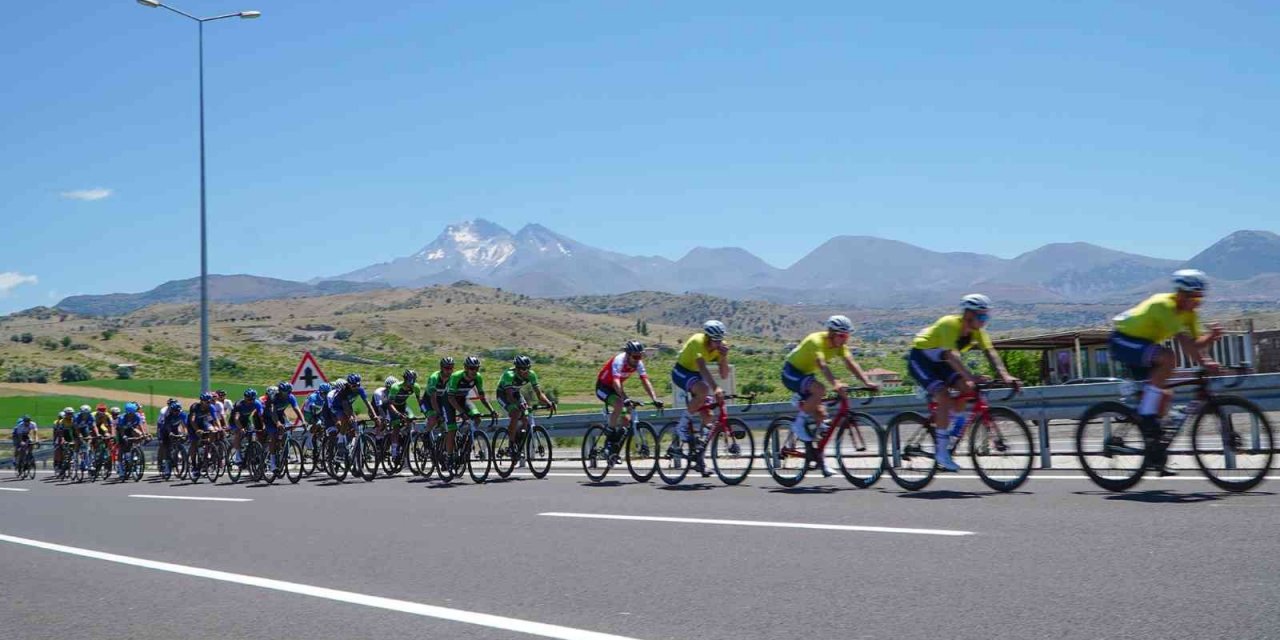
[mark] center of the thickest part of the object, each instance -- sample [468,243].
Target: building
[885,378]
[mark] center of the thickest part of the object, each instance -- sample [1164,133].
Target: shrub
[74,373]
[229,366]
[28,374]
[66,342]
[124,373]
[26,338]
[342,334]
[108,334]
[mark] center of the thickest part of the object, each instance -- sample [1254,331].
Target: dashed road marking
[762,523]
[155,497]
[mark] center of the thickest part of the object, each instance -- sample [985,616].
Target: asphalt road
[1173,559]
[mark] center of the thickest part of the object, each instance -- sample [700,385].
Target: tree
[74,373]
[66,342]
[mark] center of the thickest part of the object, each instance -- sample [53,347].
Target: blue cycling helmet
[130,408]
[206,397]
[250,394]
[285,388]
[324,388]
[174,404]
[353,379]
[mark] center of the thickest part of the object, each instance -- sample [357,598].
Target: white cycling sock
[1150,404]
[797,427]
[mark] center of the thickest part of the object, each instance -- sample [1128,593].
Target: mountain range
[845,270]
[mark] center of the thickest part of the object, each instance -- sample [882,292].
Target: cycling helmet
[522,362]
[1190,280]
[975,302]
[340,385]
[25,419]
[390,381]
[130,408]
[714,329]
[221,392]
[206,397]
[634,346]
[250,394]
[68,410]
[115,411]
[410,376]
[84,408]
[102,407]
[324,388]
[353,379]
[839,324]
[174,404]
[62,414]
[471,362]
[446,362]
[285,388]
[272,391]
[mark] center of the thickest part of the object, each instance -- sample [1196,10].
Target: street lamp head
[150,3]
[244,15]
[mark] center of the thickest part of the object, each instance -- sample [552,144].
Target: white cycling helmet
[714,329]
[1190,280]
[975,302]
[390,381]
[839,324]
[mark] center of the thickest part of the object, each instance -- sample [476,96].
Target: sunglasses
[983,317]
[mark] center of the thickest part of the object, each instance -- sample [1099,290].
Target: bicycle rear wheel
[479,458]
[733,452]
[1110,446]
[910,451]
[1001,449]
[1232,442]
[504,459]
[595,453]
[784,453]
[539,452]
[641,452]
[675,456]
[393,463]
[859,450]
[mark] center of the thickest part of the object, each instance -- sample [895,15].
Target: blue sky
[338,140]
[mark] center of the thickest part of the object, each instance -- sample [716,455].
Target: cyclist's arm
[542,397]
[997,363]
[953,358]
[297,413]
[1199,346]
[706,375]
[484,400]
[858,372]
[648,388]
[724,361]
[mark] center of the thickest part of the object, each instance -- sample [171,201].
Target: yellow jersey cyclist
[935,364]
[520,375]
[457,391]
[692,375]
[1136,342]
[814,355]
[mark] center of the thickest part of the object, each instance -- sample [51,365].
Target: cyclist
[102,421]
[169,430]
[316,409]
[613,375]
[380,399]
[1137,342]
[691,375]
[433,402]
[128,426]
[460,386]
[278,400]
[223,408]
[82,423]
[244,417]
[812,355]
[63,432]
[398,409]
[934,362]
[24,433]
[202,417]
[341,401]
[509,384]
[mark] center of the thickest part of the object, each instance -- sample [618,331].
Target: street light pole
[204,245]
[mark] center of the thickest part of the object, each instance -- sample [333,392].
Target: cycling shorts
[605,392]
[930,374]
[1135,353]
[684,379]
[451,417]
[795,381]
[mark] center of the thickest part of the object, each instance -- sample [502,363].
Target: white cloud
[11,279]
[87,195]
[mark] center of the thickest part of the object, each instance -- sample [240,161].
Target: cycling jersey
[697,346]
[399,393]
[22,429]
[314,405]
[63,427]
[1157,319]
[128,421]
[102,422]
[379,398]
[804,358]
[83,424]
[945,335]
[620,368]
[511,378]
[459,385]
[281,402]
[172,422]
[244,411]
[201,416]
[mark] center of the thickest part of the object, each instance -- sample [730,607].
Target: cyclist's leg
[811,393]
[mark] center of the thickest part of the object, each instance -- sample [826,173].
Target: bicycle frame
[978,408]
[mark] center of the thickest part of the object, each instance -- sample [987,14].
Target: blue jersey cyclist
[129,427]
[278,401]
[25,431]
[169,428]
[202,417]
[83,422]
[342,401]
[246,415]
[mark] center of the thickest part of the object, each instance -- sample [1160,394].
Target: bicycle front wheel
[860,450]
[294,462]
[1232,442]
[365,457]
[733,452]
[480,459]
[139,462]
[641,452]
[336,462]
[1110,446]
[674,455]
[504,459]
[1001,448]
[784,453]
[595,453]
[539,452]
[911,451]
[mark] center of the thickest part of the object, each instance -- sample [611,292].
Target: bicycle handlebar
[551,409]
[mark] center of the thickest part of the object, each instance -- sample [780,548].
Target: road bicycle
[999,443]
[251,457]
[728,440]
[853,439]
[173,463]
[205,456]
[532,445]
[24,460]
[358,454]
[637,443]
[470,452]
[1230,437]
[133,460]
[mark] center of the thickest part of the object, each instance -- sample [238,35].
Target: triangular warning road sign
[308,376]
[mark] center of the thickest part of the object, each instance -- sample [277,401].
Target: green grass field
[44,409]
[166,388]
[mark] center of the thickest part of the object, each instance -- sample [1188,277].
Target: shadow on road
[813,490]
[602,483]
[685,487]
[949,494]
[1163,496]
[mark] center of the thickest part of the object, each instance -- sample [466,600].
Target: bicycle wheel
[539,452]
[479,458]
[235,470]
[424,450]
[335,457]
[733,452]
[504,459]
[595,453]
[1001,449]
[139,462]
[1110,446]
[394,460]
[859,450]
[310,454]
[293,460]
[910,450]
[783,453]
[178,460]
[641,448]
[1232,442]
[674,455]
[255,461]
[444,461]
[217,461]
[365,457]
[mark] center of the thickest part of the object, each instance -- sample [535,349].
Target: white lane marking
[154,497]
[761,523]
[348,597]
[12,489]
